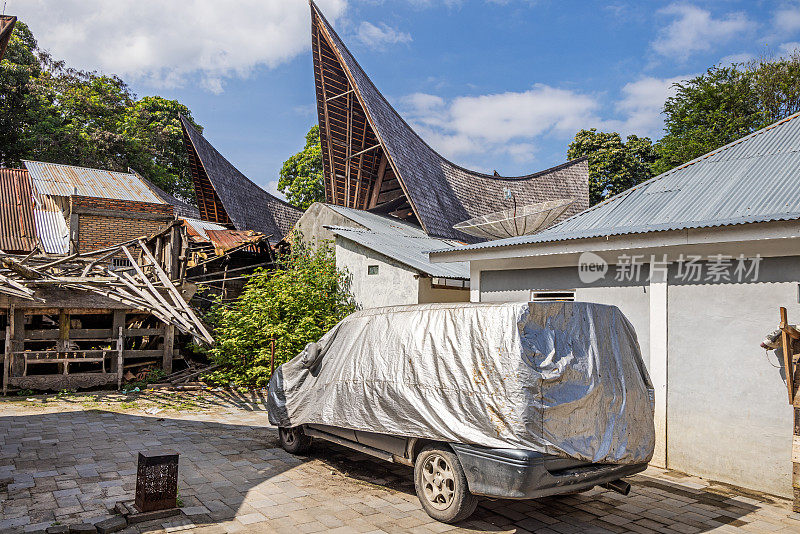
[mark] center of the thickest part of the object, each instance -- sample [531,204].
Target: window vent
[552,296]
[372,269]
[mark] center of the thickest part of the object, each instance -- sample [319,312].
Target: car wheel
[293,440]
[442,485]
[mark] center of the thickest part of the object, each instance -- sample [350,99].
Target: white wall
[729,417]
[726,413]
[394,284]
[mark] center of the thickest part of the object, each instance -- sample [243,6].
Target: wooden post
[120,366]
[7,359]
[169,342]
[62,345]
[117,322]
[796,457]
[788,335]
[17,338]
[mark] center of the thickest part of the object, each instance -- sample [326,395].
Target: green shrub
[294,305]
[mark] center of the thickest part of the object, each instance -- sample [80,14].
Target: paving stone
[112,524]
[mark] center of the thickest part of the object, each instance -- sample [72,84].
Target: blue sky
[492,84]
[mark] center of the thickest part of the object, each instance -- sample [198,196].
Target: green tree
[294,304]
[18,105]
[301,178]
[726,103]
[706,113]
[152,129]
[614,165]
[53,113]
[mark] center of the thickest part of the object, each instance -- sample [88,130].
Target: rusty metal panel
[227,239]
[17,229]
[67,180]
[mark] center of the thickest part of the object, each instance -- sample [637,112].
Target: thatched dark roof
[374,160]
[6,27]
[226,196]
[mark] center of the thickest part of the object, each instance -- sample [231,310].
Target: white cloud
[696,30]
[641,106]
[504,123]
[787,49]
[786,20]
[163,43]
[744,57]
[381,35]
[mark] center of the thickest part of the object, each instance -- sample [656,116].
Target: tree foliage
[301,178]
[53,113]
[726,103]
[295,304]
[614,165]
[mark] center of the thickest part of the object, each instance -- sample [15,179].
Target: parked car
[480,399]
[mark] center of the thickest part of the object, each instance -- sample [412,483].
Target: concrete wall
[393,285]
[723,411]
[312,223]
[728,416]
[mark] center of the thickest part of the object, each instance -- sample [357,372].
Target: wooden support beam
[788,364]
[7,359]
[376,187]
[120,349]
[169,341]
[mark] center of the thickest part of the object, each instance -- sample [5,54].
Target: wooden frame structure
[792,371]
[373,160]
[226,196]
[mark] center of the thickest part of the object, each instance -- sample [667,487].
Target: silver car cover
[561,378]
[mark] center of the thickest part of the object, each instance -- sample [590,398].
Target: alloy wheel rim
[438,481]
[288,436]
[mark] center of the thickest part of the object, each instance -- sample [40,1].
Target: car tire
[441,485]
[293,440]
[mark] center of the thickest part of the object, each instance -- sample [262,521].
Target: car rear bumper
[525,474]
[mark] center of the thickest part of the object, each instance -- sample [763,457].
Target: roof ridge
[413,131]
[77,167]
[183,119]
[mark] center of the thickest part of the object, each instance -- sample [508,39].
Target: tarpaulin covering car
[562,378]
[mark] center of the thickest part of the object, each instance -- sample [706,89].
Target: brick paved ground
[69,459]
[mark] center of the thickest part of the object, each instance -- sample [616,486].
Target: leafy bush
[294,305]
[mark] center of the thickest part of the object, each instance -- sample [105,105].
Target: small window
[372,269]
[552,296]
[120,263]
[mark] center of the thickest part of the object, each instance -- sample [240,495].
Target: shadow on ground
[73,466]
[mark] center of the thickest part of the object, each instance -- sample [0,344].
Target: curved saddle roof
[228,197]
[6,27]
[374,160]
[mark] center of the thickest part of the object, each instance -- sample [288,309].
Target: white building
[717,243]
[386,257]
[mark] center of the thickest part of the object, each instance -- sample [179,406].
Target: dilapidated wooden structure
[6,27]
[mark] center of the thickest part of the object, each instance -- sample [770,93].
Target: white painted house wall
[722,408]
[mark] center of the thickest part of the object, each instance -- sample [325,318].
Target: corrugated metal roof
[51,227]
[200,227]
[66,180]
[17,229]
[377,222]
[408,250]
[753,179]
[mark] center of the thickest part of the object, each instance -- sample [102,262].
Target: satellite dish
[525,220]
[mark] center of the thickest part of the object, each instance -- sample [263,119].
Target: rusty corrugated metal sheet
[17,229]
[66,180]
[227,239]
